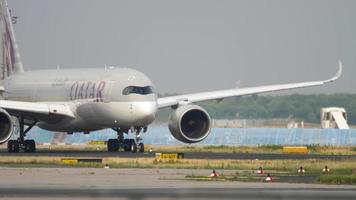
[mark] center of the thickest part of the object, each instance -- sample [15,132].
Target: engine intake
[5,126]
[189,123]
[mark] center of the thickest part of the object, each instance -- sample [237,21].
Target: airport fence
[220,136]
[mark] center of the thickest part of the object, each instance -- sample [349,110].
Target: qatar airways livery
[123,99]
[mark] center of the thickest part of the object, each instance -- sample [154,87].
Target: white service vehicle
[334,117]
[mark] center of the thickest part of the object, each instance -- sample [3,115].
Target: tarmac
[100,183]
[189,155]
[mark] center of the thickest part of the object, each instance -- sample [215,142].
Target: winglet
[337,75]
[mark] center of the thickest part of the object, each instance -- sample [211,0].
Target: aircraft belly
[69,126]
[118,114]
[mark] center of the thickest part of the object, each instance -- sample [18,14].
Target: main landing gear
[128,145]
[14,146]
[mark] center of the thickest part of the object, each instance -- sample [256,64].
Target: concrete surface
[97,183]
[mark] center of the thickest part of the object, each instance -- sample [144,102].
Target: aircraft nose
[145,111]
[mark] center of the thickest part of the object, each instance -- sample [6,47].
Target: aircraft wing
[221,94]
[56,109]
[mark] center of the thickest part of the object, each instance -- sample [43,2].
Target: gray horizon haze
[195,45]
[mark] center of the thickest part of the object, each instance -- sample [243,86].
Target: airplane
[85,100]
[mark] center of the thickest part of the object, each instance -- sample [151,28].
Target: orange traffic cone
[326,170]
[268,178]
[214,174]
[301,170]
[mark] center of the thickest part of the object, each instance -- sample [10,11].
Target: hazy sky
[195,45]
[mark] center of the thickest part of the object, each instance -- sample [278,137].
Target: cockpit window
[137,90]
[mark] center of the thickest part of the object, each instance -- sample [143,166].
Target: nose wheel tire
[128,145]
[113,145]
[133,147]
[141,147]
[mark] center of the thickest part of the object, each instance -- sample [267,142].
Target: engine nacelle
[5,126]
[189,123]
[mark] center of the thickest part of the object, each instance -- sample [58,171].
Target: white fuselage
[95,96]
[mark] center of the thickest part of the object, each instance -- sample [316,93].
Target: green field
[342,171]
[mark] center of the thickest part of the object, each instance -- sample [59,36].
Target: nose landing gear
[128,145]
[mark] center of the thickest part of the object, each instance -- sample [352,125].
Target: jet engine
[189,123]
[5,126]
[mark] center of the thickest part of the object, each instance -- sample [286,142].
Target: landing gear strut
[138,140]
[14,146]
[128,145]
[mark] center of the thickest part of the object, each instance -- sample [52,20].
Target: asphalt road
[174,193]
[100,183]
[199,155]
